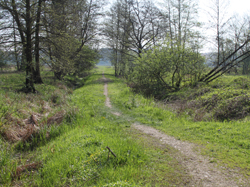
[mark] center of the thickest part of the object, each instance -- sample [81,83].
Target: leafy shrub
[163,70]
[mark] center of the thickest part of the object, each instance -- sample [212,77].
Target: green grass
[77,153]
[228,142]
[80,158]
[16,106]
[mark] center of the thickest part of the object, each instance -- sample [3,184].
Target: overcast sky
[234,6]
[240,7]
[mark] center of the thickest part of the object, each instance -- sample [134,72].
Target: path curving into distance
[204,172]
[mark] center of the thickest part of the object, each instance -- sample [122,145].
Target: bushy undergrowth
[227,98]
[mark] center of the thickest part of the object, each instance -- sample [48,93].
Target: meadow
[74,152]
[79,142]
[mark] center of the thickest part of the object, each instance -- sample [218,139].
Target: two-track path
[203,172]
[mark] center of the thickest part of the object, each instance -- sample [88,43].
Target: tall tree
[218,23]
[28,48]
[239,32]
[116,28]
[71,27]
[181,32]
[37,74]
[131,27]
[144,31]
[181,21]
[23,13]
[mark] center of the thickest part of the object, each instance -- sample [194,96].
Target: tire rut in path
[203,172]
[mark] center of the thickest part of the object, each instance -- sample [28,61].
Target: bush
[164,69]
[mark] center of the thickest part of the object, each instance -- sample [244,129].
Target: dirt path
[204,172]
[107,102]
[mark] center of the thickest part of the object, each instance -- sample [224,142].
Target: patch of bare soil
[203,172]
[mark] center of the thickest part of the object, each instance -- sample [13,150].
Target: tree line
[60,33]
[154,46]
[158,46]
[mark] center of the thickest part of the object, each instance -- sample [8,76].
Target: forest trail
[200,168]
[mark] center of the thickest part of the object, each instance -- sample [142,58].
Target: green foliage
[226,103]
[71,28]
[16,107]
[6,165]
[227,142]
[76,153]
[85,60]
[245,66]
[64,62]
[164,69]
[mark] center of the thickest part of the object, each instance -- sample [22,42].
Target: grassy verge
[227,142]
[78,155]
[28,121]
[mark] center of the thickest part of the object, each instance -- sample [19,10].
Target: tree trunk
[23,60]
[28,50]
[37,74]
[15,48]
[218,31]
